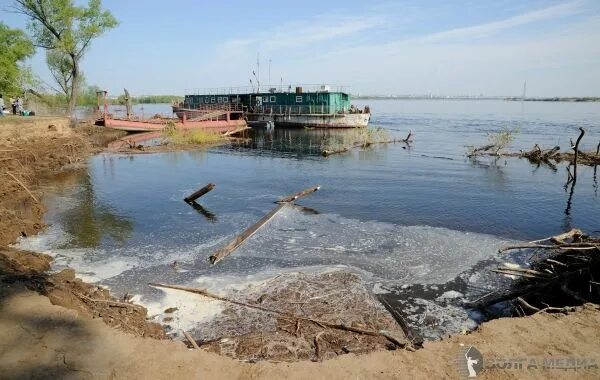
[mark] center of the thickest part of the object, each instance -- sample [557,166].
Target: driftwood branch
[241,238]
[190,339]
[561,273]
[23,186]
[299,195]
[576,149]
[199,193]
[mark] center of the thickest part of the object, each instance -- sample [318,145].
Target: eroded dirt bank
[56,326]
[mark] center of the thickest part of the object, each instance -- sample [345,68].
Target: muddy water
[398,215]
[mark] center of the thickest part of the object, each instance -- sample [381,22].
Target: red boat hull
[217,126]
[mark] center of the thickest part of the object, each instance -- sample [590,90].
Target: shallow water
[396,214]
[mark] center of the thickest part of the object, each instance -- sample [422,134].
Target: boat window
[225,100]
[212,100]
[273,99]
[265,99]
[206,99]
[299,99]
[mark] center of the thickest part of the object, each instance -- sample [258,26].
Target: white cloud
[548,13]
[322,28]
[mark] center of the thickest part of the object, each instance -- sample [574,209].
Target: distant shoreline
[507,98]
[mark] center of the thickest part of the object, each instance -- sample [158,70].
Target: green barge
[317,107]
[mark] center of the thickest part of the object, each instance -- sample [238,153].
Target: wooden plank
[241,238]
[299,195]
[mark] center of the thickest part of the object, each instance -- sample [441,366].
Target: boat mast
[258,69]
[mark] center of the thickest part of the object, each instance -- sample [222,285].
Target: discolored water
[397,214]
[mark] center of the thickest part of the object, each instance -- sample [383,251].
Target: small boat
[221,119]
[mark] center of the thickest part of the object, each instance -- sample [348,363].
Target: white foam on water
[192,309]
[384,254]
[400,254]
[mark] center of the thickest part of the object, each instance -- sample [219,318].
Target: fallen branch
[109,302]
[299,195]
[559,274]
[337,326]
[317,347]
[413,336]
[241,238]
[190,339]
[23,186]
[199,193]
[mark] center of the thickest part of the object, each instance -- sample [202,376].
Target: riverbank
[50,327]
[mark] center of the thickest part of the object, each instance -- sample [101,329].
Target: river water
[396,214]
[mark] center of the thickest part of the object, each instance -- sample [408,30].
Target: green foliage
[66,30]
[501,139]
[15,47]
[150,99]
[88,95]
[155,99]
[60,66]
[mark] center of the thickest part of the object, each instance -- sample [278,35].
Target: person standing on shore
[1,106]
[19,102]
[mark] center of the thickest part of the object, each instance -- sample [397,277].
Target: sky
[371,47]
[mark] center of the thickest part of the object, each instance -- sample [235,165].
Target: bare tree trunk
[74,88]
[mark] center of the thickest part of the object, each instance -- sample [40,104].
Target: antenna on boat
[258,69]
[269,72]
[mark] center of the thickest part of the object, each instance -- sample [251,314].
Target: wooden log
[484,148]
[527,305]
[241,238]
[575,233]
[337,326]
[299,195]
[576,149]
[190,339]
[414,337]
[549,154]
[199,193]
[525,270]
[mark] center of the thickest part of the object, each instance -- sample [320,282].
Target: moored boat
[319,107]
[221,119]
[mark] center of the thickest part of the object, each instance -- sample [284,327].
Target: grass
[193,136]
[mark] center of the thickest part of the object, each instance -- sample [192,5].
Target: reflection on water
[90,221]
[86,220]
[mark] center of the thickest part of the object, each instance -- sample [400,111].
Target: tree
[15,47]
[61,68]
[66,31]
